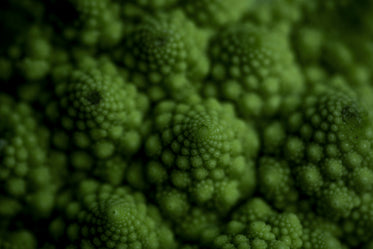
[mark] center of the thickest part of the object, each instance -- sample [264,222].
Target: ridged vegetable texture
[186,124]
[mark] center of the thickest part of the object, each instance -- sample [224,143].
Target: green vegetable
[26,179]
[99,215]
[165,54]
[203,152]
[254,68]
[173,124]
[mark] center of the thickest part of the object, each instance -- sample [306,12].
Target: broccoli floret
[326,147]
[100,215]
[181,124]
[255,225]
[25,177]
[28,56]
[254,68]
[276,182]
[165,55]
[98,115]
[203,152]
[198,226]
[97,106]
[91,23]
[318,232]
[358,227]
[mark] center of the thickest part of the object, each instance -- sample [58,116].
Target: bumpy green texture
[327,150]
[254,68]
[101,216]
[186,124]
[318,232]
[99,117]
[255,225]
[29,56]
[91,23]
[340,57]
[359,225]
[200,153]
[276,13]
[22,239]
[215,13]
[344,13]
[98,111]
[165,55]
[25,179]
[198,225]
[343,52]
[276,182]
[152,4]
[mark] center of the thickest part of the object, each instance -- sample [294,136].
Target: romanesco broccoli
[186,124]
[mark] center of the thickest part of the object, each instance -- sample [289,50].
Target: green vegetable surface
[186,124]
